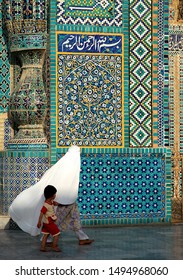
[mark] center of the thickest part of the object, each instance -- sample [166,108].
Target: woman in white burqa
[64,176]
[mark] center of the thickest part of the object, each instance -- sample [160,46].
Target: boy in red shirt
[48,216]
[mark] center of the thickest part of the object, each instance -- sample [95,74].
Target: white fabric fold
[64,176]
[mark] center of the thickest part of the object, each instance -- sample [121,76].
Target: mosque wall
[109,89]
[106,77]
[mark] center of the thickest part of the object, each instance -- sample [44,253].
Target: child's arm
[40,219]
[55,203]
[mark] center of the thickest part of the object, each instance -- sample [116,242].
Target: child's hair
[49,191]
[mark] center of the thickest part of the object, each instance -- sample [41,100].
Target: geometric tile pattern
[163,73]
[23,42]
[122,186]
[1,184]
[181,105]
[16,75]
[27,35]
[28,93]
[19,173]
[26,9]
[172,82]
[155,41]
[5,131]
[175,86]
[104,12]
[119,183]
[140,74]
[89,90]
[5,69]
[46,79]
[114,183]
[175,111]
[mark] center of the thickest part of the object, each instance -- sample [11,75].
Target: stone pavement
[148,242]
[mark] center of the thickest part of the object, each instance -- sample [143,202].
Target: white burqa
[64,176]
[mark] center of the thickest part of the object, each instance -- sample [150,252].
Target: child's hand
[39,224]
[55,203]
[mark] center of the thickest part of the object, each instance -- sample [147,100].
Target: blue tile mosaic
[90,100]
[105,13]
[97,41]
[4,66]
[122,186]
[140,73]
[20,171]
[163,75]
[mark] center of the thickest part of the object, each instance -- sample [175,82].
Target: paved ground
[157,242]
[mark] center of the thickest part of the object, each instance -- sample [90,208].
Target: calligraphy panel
[89,43]
[93,12]
[89,86]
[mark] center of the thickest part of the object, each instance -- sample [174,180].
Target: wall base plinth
[177,208]
[4,222]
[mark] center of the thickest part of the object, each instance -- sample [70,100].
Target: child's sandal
[56,249]
[43,249]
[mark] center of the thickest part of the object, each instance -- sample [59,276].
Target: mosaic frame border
[163,73]
[87,29]
[155,74]
[96,55]
[140,73]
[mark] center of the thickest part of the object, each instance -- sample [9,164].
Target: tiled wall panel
[4,66]
[90,107]
[121,186]
[104,195]
[21,170]
[108,94]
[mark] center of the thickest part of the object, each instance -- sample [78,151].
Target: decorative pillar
[27,155]
[26,22]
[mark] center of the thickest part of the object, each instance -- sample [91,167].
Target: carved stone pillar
[27,31]
[27,108]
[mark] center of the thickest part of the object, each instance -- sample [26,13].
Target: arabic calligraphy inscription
[89,43]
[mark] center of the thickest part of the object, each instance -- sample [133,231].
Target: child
[49,218]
